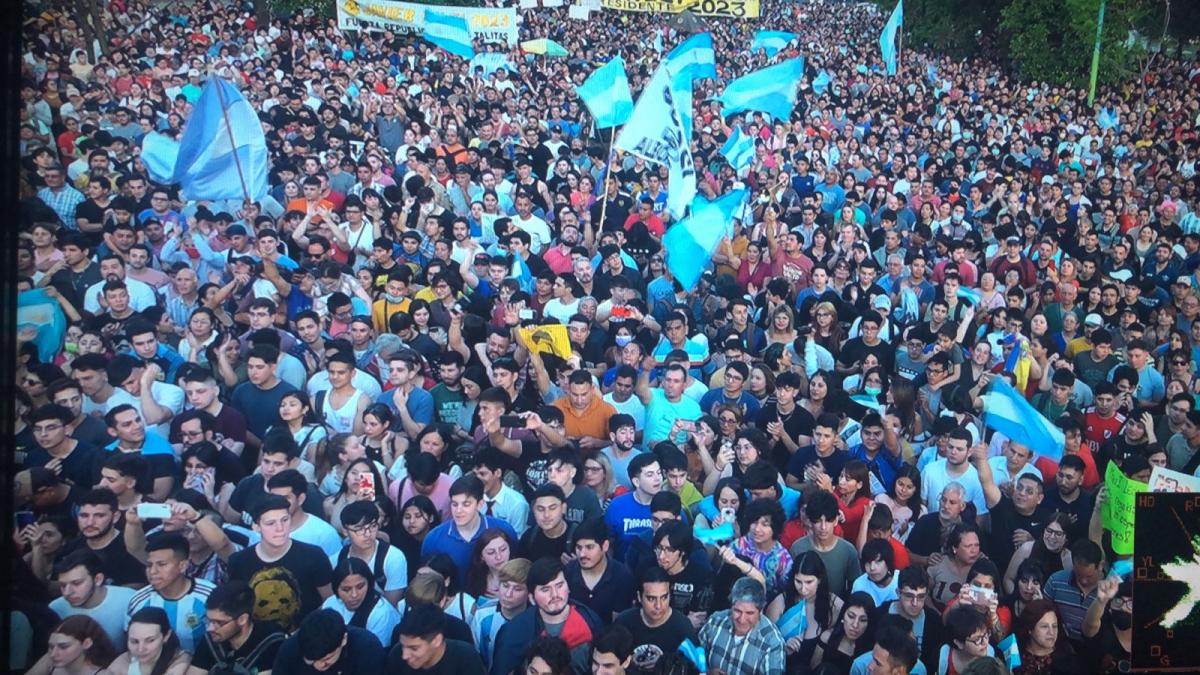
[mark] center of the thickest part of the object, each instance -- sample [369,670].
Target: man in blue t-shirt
[629,514]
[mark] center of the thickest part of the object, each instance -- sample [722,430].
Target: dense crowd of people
[306,433]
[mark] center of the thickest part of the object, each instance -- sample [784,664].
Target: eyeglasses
[1055,533]
[978,639]
[914,597]
[593,469]
[363,529]
[664,550]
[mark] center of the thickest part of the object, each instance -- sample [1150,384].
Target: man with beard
[553,613]
[559,257]
[97,518]
[658,629]
[234,639]
[448,396]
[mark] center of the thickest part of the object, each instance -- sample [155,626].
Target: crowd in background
[305,433]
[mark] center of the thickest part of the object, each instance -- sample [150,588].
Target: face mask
[957,217]
[395,299]
[872,391]
[623,340]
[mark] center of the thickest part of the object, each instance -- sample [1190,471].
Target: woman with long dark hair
[153,647]
[804,609]
[358,600]
[849,637]
[407,532]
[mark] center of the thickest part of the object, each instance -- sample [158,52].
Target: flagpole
[232,144]
[607,171]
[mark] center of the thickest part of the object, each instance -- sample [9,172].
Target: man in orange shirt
[585,413]
[312,203]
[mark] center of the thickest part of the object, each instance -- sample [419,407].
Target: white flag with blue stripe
[691,242]
[655,132]
[771,90]
[771,41]
[1007,411]
[695,58]
[821,82]
[222,153]
[887,39]
[606,94]
[739,150]
[449,32]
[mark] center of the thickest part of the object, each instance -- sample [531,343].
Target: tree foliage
[1053,40]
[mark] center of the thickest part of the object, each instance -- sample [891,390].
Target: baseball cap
[1093,320]
[1013,240]
[1186,281]
[235,230]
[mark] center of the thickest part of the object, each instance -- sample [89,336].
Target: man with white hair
[740,639]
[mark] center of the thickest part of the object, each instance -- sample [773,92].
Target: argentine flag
[691,242]
[739,150]
[222,153]
[449,32]
[771,90]
[771,41]
[821,82]
[887,39]
[694,58]
[606,94]
[1007,412]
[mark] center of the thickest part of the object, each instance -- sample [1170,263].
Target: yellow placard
[550,339]
[732,9]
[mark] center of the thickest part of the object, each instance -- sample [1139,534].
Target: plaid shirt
[760,652]
[63,202]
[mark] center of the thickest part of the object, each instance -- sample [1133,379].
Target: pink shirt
[440,495]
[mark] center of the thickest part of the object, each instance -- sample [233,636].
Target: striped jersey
[186,613]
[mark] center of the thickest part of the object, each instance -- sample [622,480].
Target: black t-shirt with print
[286,589]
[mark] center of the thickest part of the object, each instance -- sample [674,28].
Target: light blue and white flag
[655,132]
[449,32]
[222,153]
[821,82]
[490,62]
[691,242]
[739,150]
[1108,118]
[887,39]
[931,73]
[606,94]
[520,271]
[1007,412]
[694,58]
[771,41]
[771,90]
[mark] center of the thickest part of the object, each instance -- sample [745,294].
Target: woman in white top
[296,413]
[359,602]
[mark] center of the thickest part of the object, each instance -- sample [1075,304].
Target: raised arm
[991,493]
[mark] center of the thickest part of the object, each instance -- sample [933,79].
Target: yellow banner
[548,339]
[733,9]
